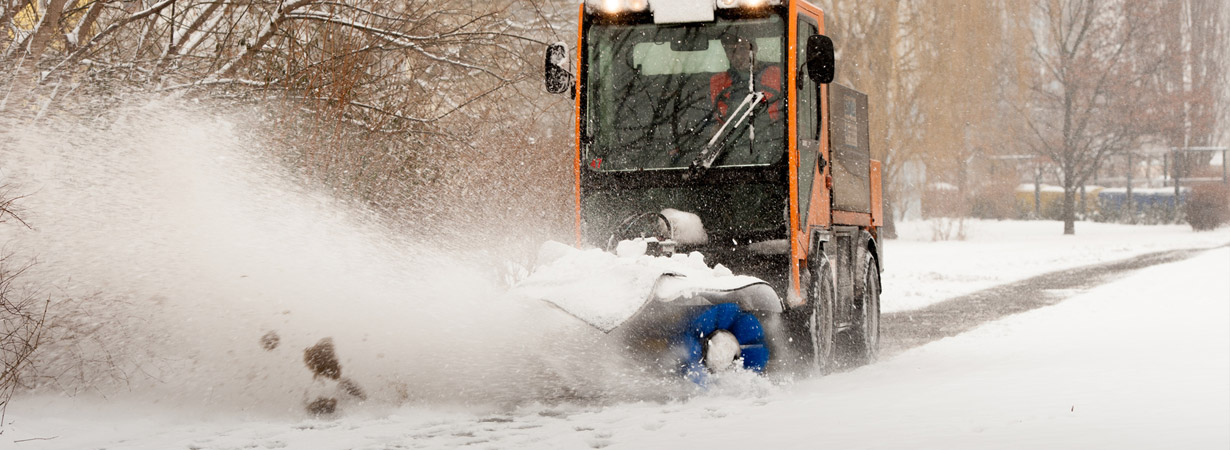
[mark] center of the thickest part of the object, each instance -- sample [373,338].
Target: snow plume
[173,249]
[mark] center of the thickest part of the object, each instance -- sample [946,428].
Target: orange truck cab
[723,112]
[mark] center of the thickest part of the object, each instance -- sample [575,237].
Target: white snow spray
[181,247]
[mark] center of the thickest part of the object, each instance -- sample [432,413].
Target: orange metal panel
[821,203]
[822,195]
[818,211]
[877,197]
[811,10]
[851,218]
[797,239]
[576,166]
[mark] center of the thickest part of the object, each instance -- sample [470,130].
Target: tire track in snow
[904,330]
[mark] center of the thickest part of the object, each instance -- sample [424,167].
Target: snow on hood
[605,289]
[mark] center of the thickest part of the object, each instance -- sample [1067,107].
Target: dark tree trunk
[1084,208]
[889,231]
[1069,210]
[1038,194]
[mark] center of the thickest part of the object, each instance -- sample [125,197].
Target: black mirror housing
[821,63]
[557,75]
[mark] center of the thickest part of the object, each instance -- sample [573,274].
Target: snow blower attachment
[675,302]
[711,127]
[606,290]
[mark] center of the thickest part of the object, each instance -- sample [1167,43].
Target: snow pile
[605,289]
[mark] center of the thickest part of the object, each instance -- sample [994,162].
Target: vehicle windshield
[658,95]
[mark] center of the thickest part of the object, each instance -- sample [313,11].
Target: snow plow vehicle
[711,127]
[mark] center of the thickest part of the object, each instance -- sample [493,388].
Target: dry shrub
[948,228]
[22,315]
[944,202]
[1208,206]
[87,343]
[946,209]
[995,200]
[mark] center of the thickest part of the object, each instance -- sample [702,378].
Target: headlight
[636,6]
[728,4]
[617,6]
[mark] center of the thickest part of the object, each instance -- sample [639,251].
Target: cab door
[811,209]
[812,195]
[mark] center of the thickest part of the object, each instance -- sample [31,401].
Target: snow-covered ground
[1142,362]
[919,270]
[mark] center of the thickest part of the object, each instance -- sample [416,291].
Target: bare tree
[1091,97]
[1192,82]
[377,99]
[939,79]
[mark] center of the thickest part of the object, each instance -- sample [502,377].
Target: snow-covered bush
[1208,206]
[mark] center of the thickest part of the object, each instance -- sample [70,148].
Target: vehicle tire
[861,344]
[814,325]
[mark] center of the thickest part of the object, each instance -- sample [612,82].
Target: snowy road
[1142,361]
[908,329]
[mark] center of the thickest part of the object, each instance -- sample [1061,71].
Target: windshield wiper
[713,149]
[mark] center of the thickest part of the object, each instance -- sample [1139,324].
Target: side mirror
[821,64]
[558,77]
